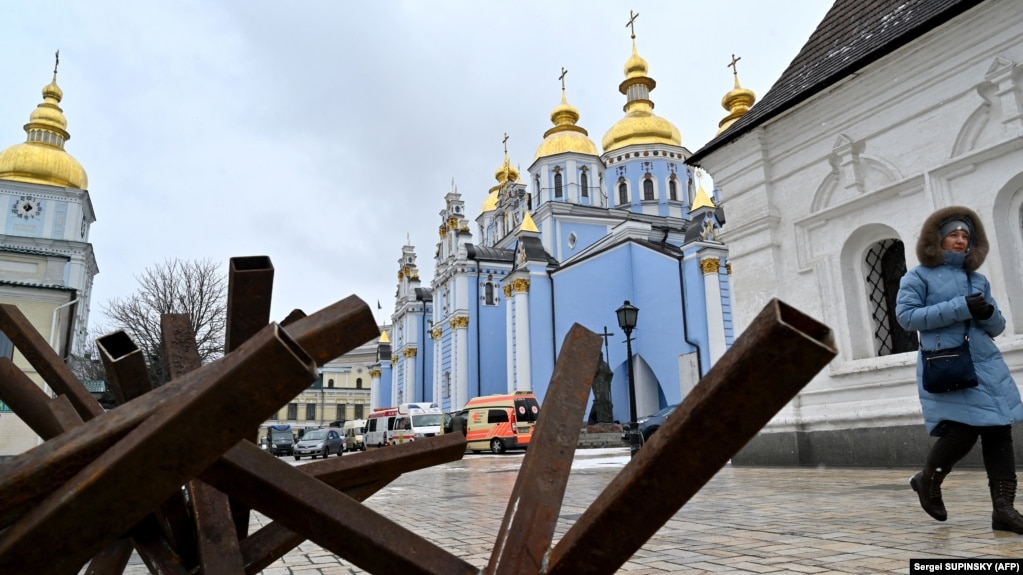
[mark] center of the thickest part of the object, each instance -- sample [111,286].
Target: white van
[353,432]
[416,421]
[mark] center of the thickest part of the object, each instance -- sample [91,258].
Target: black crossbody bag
[950,369]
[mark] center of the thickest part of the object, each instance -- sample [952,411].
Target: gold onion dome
[737,102]
[565,136]
[640,125]
[490,203]
[42,159]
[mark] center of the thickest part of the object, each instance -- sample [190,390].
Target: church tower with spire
[47,264]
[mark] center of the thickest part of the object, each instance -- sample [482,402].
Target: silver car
[320,442]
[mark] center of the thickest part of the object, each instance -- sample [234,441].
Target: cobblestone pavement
[745,520]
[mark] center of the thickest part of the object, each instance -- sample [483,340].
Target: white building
[47,264]
[891,110]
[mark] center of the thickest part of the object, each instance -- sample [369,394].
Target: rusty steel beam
[46,362]
[295,315]
[173,444]
[29,401]
[321,335]
[214,527]
[327,517]
[112,560]
[527,529]
[249,289]
[25,479]
[358,476]
[154,550]
[128,378]
[779,353]
[125,366]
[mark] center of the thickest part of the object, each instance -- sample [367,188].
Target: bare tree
[197,288]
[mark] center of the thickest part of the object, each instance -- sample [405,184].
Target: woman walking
[944,299]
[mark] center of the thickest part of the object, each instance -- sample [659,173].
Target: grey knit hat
[956,223]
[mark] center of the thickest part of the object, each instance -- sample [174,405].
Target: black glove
[979,307]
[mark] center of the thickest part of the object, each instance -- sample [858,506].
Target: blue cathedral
[570,241]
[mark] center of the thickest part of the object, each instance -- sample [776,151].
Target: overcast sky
[323,134]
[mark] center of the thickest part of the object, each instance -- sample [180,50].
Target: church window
[310,412]
[648,189]
[584,184]
[330,383]
[358,383]
[673,189]
[690,191]
[447,384]
[623,194]
[886,264]
[572,239]
[557,185]
[488,293]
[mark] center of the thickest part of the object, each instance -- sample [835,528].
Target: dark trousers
[957,439]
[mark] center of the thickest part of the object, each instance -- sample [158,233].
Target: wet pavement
[745,520]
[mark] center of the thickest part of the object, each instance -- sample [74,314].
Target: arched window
[886,264]
[584,184]
[330,383]
[623,194]
[557,185]
[488,294]
[358,383]
[648,189]
[690,191]
[673,189]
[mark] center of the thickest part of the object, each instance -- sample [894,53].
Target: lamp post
[627,315]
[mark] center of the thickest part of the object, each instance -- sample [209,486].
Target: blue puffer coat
[932,301]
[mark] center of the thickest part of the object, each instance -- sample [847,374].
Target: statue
[602,410]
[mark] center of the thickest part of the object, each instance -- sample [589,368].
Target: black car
[651,423]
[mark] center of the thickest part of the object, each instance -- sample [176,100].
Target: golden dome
[737,101]
[640,125]
[42,159]
[565,136]
[490,203]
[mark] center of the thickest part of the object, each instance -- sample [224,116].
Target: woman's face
[957,241]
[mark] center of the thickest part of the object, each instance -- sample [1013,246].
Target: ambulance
[379,425]
[416,421]
[500,422]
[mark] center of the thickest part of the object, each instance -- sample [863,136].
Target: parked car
[319,442]
[651,423]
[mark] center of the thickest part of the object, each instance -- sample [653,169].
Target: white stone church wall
[810,191]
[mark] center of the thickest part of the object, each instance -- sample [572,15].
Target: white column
[711,267]
[460,358]
[522,381]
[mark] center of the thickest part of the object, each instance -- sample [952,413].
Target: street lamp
[627,315]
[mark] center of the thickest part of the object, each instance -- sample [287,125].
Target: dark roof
[37,285]
[483,253]
[852,35]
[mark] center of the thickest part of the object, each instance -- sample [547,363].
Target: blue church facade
[581,233]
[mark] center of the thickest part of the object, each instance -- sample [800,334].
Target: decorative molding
[728,269]
[460,322]
[437,332]
[520,285]
[374,373]
[710,265]
[394,359]
[409,352]
[507,289]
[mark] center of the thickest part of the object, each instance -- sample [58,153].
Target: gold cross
[505,142]
[56,58]
[735,69]
[562,78]
[631,23]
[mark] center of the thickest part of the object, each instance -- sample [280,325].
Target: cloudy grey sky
[324,133]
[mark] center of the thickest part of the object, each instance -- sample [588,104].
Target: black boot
[1005,517]
[927,485]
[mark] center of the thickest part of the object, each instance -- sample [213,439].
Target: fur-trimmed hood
[928,246]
